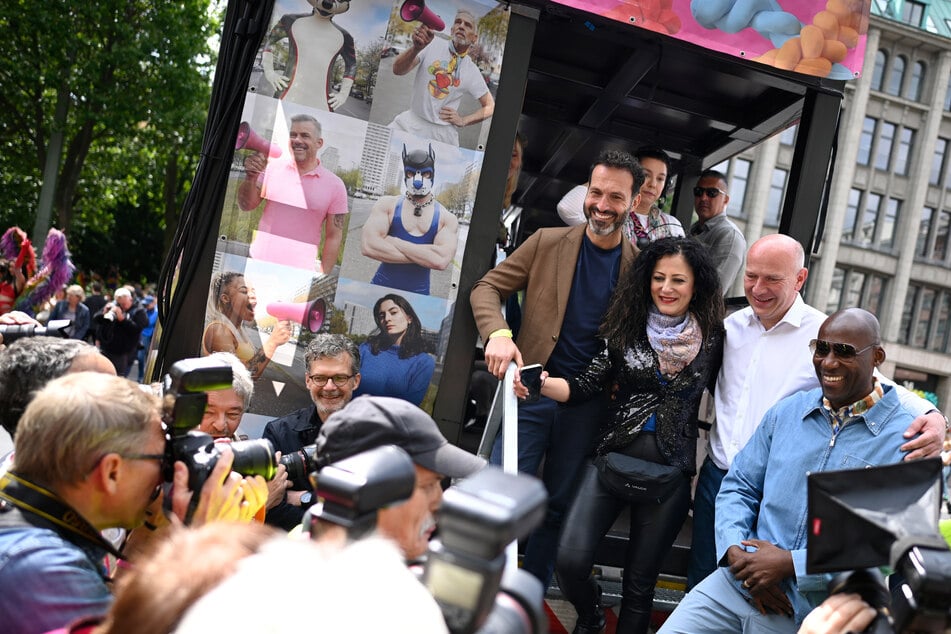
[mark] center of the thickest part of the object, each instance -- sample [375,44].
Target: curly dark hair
[412,343]
[626,318]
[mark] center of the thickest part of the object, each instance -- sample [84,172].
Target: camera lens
[254,457]
[300,464]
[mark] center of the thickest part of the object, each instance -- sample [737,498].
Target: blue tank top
[407,276]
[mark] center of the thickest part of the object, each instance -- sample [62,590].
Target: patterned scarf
[657,226]
[675,339]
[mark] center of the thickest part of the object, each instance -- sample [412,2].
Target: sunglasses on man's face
[711,192]
[822,349]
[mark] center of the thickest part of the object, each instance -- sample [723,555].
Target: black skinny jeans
[654,528]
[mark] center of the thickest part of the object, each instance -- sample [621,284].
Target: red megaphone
[251,140]
[416,10]
[310,315]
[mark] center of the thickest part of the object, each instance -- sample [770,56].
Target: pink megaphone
[251,140]
[310,315]
[416,10]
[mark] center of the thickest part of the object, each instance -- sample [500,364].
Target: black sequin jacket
[641,392]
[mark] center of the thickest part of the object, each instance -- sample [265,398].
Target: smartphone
[532,379]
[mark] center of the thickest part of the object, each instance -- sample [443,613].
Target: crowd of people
[625,313]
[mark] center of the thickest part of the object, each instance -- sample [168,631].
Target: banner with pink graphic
[823,38]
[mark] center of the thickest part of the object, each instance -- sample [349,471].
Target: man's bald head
[775,273]
[847,351]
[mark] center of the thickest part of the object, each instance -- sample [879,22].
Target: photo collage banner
[351,189]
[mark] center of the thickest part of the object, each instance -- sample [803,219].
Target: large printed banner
[824,38]
[348,206]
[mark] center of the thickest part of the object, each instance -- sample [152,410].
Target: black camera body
[467,563]
[349,492]
[184,396]
[467,572]
[864,518]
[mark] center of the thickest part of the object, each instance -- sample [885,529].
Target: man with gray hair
[333,373]
[118,327]
[90,452]
[306,202]
[223,412]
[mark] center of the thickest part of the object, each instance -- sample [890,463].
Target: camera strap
[41,507]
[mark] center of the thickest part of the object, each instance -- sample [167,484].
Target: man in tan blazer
[568,275]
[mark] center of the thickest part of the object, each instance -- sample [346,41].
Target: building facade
[886,242]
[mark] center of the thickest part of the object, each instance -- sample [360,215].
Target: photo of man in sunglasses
[726,242]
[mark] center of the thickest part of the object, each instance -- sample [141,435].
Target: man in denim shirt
[850,421]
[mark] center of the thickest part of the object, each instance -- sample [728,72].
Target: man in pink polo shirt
[304,199]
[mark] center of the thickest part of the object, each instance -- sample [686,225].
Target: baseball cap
[368,422]
[148,299]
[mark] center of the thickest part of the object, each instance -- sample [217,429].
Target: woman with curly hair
[664,342]
[230,308]
[394,361]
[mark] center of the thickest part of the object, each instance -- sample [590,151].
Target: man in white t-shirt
[445,73]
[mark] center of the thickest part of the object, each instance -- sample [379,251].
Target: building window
[906,140]
[911,297]
[915,83]
[774,204]
[851,214]
[896,76]
[912,12]
[886,234]
[924,232]
[865,141]
[947,97]
[878,74]
[855,288]
[883,150]
[937,160]
[866,230]
[925,314]
[788,136]
[940,250]
[739,178]
[835,293]
[939,341]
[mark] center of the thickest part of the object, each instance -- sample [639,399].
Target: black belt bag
[637,480]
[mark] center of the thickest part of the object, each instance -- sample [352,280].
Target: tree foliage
[131,79]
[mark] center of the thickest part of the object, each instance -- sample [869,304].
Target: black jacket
[641,392]
[289,434]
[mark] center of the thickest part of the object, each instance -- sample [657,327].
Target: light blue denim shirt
[764,494]
[48,582]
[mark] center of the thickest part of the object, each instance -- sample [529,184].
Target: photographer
[90,451]
[375,421]
[223,413]
[118,327]
[333,373]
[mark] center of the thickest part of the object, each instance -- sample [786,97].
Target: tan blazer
[544,266]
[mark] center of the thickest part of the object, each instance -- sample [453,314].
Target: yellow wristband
[501,332]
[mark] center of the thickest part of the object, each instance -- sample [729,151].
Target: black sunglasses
[822,349]
[711,192]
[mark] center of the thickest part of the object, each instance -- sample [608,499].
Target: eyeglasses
[822,349]
[339,379]
[711,192]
